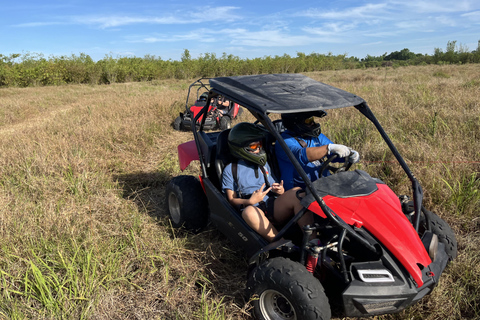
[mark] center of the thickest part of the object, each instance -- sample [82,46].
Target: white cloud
[116,21]
[367,11]
[210,14]
[446,21]
[331,29]
[36,24]
[372,43]
[194,16]
[361,24]
[240,37]
[436,6]
[473,16]
[200,35]
[273,38]
[262,38]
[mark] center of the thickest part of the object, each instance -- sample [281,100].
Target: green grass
[83,170]
[464,194]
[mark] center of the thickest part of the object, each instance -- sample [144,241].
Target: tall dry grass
[83,171]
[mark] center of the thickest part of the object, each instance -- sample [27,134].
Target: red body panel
[196,109]
[236,107]
[187,152]
[381,214]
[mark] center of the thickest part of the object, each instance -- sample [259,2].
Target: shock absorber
[312,258]
[314,252]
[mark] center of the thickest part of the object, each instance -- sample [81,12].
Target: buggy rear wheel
[286,290]
[186,203]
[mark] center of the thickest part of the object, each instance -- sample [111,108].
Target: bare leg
[257,220]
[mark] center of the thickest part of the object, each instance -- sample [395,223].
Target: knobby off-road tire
[225,123]
[444,233]
[177,124]
[186,203]
[286,290]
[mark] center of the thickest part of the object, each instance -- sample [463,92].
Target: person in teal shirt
[263,202]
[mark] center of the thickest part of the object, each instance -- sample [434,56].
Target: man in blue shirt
[304,138]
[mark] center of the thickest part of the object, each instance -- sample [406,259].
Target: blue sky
[247,29]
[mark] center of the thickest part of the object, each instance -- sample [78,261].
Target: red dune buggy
[220,112]
[377,252]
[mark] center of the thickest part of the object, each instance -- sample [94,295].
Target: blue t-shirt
[288,173]
[247,182]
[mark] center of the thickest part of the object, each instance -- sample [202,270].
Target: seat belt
[302,143]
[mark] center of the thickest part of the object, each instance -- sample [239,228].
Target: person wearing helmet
[249,185]
[203,97]
[222,102]
[309,145]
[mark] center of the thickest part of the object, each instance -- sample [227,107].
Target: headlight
[375,275]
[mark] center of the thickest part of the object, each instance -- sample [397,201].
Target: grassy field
[83,169]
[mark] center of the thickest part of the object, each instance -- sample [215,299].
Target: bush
[32,69]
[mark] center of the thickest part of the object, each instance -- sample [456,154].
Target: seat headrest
[223,152]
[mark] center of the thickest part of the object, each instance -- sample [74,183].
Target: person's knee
[247,212]
[299,191]
[250,214]
[290,198]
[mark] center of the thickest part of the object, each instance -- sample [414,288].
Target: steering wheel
[326,165]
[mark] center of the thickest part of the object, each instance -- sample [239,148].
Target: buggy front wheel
[225,123]
[177,124]
[444,233]
[186,203]
[286,290]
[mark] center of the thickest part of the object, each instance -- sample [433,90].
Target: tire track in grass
[32,122]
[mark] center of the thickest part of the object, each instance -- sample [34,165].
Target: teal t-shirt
[247,182]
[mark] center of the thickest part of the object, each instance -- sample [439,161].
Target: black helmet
[301,124]
[241,136]
[203,97]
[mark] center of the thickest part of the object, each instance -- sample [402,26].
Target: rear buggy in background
[220,113]
[375,252]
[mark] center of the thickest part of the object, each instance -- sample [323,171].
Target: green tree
[186,69]
[451,55]
[404,54]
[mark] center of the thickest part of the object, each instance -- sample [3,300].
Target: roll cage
[292,93]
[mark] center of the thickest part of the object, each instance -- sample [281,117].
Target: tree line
[33,69]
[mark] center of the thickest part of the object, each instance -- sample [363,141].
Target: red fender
[187,152]
[381,214]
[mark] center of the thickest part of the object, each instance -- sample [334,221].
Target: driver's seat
[223,156]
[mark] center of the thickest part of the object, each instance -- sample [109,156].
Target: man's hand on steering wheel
[343,152]
[354,156]
[339,151]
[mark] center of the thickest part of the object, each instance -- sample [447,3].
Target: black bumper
[210,123]
[362,299]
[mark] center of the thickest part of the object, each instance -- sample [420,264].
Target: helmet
[203,97]
[241,136]
[302,124]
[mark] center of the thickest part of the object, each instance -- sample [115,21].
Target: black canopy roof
[283,93]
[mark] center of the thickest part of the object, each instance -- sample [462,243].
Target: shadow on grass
[146,190]
[225,264]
